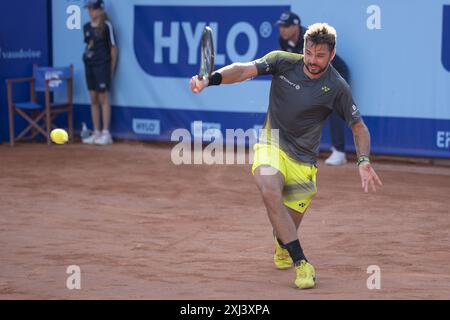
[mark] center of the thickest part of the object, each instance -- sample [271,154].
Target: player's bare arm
[361,136]
[233,73]
[114,54]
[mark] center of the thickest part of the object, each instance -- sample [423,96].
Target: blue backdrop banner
[23,42]
[400,73]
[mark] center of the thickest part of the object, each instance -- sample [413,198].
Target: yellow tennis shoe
[281,258]
[306,275]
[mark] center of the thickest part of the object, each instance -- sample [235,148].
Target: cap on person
[288,19]
[95,4]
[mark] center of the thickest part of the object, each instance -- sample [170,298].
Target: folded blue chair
[47,80]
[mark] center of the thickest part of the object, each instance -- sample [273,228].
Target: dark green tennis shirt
[299,106]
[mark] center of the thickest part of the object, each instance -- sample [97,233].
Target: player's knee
[94,99]
[102,97]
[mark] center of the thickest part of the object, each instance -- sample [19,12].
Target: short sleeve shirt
[299,106]
[98,43]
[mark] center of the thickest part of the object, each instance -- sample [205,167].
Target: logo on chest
[289,82]
[325,89]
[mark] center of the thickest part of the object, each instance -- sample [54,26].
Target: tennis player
[305,90]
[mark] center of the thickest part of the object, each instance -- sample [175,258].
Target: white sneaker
[336,158]
[92,138]
[104,139]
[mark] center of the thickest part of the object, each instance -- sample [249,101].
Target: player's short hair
[321,33]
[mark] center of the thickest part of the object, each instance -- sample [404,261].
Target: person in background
[291,40]
[100,59]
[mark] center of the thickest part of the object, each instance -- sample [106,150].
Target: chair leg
[34,132]
[33,124]
[11,128]
[49,126]
[11,112]
[70,123]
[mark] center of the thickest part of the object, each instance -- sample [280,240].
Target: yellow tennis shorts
[299,178]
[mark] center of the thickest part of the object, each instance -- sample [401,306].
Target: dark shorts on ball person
[98,77]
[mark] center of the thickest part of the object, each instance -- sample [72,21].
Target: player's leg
[103,74]
[270,171]
[271,188]
[95,110]
[299,190]
[105,137]
[95,114]
[95,107]
[337,127]
[106,109]
[281,257]
[296,216]
[91,81]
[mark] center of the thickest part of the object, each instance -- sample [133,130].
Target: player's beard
[308,65]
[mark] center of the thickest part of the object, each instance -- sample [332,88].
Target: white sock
[97,132]
[105,131]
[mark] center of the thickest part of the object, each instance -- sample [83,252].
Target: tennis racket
[207,54]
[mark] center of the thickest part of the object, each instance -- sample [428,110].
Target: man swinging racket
[305,90]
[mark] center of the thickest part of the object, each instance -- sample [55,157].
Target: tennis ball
[59,136]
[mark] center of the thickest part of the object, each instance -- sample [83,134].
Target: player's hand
[198,85]
[368,177]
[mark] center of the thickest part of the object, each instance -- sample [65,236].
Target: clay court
[140,227]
